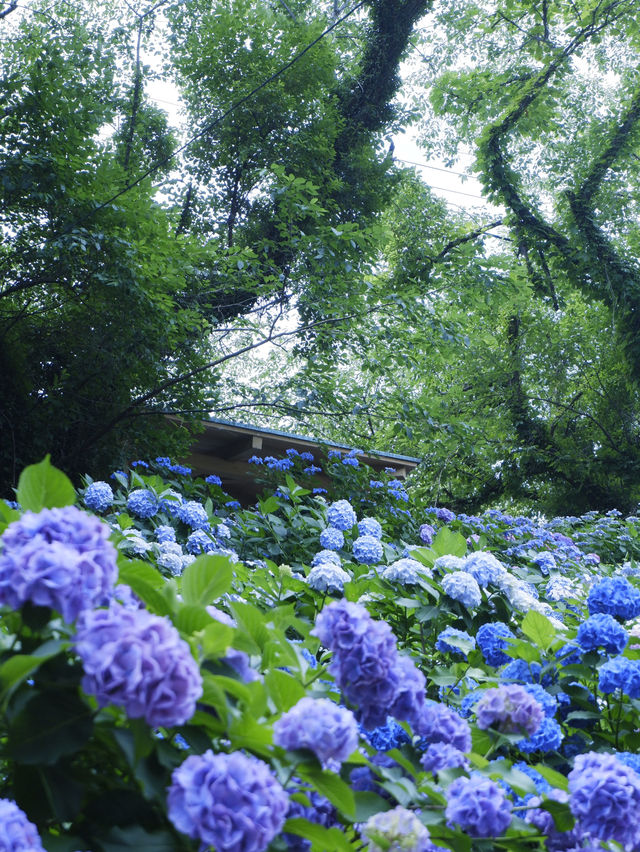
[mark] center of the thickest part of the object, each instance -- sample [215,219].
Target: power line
[427,166]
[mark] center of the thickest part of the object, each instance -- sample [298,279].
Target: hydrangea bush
[330,669]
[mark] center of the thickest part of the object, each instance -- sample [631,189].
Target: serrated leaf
[146,581]
[448,542]
[538,628]
[42,486]
[333,788]
[283,689]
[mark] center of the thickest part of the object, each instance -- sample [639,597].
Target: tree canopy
[143,263]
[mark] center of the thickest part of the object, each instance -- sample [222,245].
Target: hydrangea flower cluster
[59,558]
[326,556]
[604,797]
[370,526]
[406,571]
[616,596]
[426,533]
[331,732]
[548,737]
[98,497]
[443,642]
[438,723]
[229,801]
[165,533]
[331,538]
[492,640]
[620,673]
[17,833]
[367,666]
[318,810]
[143,503]
[194,515]
[461,586]
[401,831]
[327,577]
[484,567]
[367,549]
[478,806]
[341,515]
[443,756]
[510,709]
[387,736]
[138,661]
[602,631]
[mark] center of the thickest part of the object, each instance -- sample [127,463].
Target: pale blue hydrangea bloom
[327,577]
[370,526]
[406,571]
[142,503]
[462,587]
[98,496]
[484,567]
[401,831]
[448,562]
[17,833]
[331,538]
[326,556]
[367,549]
[341,515]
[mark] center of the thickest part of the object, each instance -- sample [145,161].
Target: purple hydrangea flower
[427,533]
[229,801]
[331,538]
[509,709]
[445,515]
[492,640]
[366,664]
[17,834]
[319,810]
[478,806]
[438,723]
[341,515]
[98,496]
[443,756]
[604,797]
[138,661]
[330,731]
[401,830]
[194,515]
[367,549]
[370,526]
[602,631]
[142,503]
[461,586]
[60,558]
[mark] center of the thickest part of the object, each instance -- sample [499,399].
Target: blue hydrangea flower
[604,797]
[324,556]
[306,456]
[521,671]
[329,731]
[194,515]
[400,829]
[548,737]
[98,496]
[491,639]
[142,503]
[327,577]
[367,549]
[200,541]
[141,463]
[138,661]
[370,526]
[318,810]
[427,533]
[170,557]
[255,460]
[17,833]
[170,502]
[165,533]
[545,561]
[620,673]
[213,479]
[462,587]
[443,756]
[229,801]
[438,723]
[548,702]
[375,483]
[387,736]
[509,709]
[331,538]
[630,759]
[341,515]
[616,596]
[484,567]
[478,806]
[406,571]
[602,631]
[350,461]
[443,643]
[445,515]
[59,558]
[448,562]
[313,468]
[291,452]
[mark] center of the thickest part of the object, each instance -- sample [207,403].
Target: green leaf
[333,787]
[448,542]
[42,486]
[146,581]
[206,579]
[51,725]
[17,668]
[192,619]
[538,628]
[215,639]
[368,804]
[283,689]
[556,779]
[134,837]
[562,816]
[321,838]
